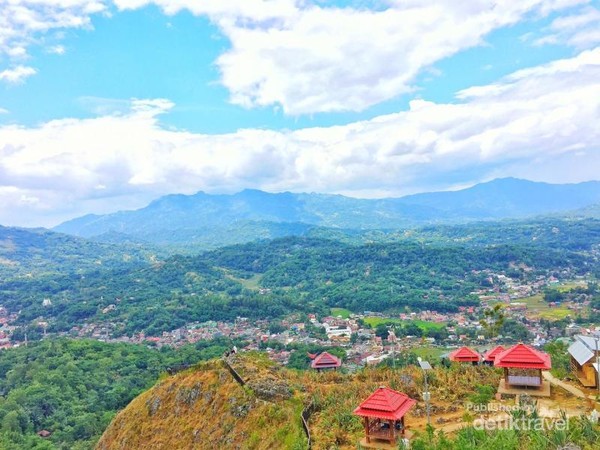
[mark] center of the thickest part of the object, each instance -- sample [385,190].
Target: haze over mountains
[210,220]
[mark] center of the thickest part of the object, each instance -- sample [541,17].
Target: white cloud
[309,58]
[57,49]
[255,11]
[304,56]
[539,123]
[3,111]
[26,22]
[580,29]
[17,52]
[17,74]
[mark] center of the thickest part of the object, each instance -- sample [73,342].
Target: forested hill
[73,388]
[270,279]
[209,221]
[36,252]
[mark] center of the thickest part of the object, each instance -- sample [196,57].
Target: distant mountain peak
[164,218]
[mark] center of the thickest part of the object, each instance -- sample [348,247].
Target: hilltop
[204,408]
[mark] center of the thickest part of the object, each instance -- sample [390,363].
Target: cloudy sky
[107,104]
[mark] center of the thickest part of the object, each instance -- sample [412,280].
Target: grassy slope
[197,409]
[204,408]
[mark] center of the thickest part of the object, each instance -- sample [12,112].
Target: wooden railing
[305,416]
[522,380]
[388,433]
[236,376]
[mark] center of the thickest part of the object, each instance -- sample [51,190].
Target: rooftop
[490,355]
[325,361]
[385,403]
[464,354]
[522,356]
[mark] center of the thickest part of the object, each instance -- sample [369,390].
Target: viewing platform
[541,390]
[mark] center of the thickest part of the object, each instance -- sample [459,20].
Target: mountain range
[207,221]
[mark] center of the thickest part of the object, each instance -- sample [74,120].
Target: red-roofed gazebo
[465,355]
[326,361]
[383,414]
[523,366]
[490,355]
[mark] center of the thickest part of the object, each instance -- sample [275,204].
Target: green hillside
[39,252]
[273,278]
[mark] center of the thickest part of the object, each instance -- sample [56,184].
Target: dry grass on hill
[204,408]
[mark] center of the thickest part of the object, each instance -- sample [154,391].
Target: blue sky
[146,54]
[106,105]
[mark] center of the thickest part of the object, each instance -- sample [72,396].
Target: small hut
[325,361]
[465,355]
[584,353]
[383,415]
[523,367]
[490,355]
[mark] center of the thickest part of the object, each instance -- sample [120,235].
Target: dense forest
[73,388]
[434,268]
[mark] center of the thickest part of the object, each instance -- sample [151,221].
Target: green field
[374,321]
[537,306]
[343,312]
[569,286]
[251,283]
[556,313]
[431,354]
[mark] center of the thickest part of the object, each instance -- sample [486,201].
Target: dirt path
[503,417]
[567,387]
[547,407]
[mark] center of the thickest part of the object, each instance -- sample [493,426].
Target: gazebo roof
[385,403]
[325,361]
[490,355]
[522,356]
[464,354]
